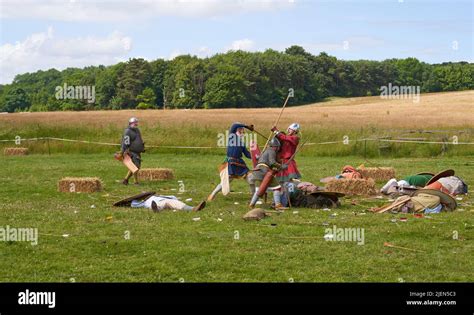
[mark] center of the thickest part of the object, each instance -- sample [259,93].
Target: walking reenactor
[132,146]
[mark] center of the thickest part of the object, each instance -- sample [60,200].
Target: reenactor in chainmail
[133,145]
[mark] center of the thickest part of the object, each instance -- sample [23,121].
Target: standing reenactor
[289,144]
[133,145]
[267,167]
[234,166]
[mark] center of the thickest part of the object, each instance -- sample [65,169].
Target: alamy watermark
[400,92]
[76,92]
[234,140]
[12,234]
[336,234]
[28,297]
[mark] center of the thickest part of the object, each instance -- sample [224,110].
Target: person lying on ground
[308,195]
[451,185]
[159,203]
[348,172]
[412,181]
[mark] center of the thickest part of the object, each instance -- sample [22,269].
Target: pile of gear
[308,195]
[424,192]
[444,181]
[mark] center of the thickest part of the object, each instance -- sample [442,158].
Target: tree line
[234,79]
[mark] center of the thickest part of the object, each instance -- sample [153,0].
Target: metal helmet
[132,120]
[295,127]
[274,143]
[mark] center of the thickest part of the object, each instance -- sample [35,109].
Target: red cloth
[350,172]
[290,173]
[288,145]
[287,150]
[437,186]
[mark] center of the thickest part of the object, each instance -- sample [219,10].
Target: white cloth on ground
[163,202]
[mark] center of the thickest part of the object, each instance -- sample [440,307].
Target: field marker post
[365,148]
[49,149]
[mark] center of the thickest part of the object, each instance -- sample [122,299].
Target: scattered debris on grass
[387,244]
[328,237]
[255,214]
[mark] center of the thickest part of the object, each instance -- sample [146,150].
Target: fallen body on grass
[158,203]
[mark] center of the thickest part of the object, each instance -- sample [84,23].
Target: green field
[171,247]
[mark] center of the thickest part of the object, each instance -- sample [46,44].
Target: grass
[170,246]
[438,116]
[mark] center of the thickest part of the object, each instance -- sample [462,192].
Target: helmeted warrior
[236,166]
[133,145]
[289,143]
[268,165]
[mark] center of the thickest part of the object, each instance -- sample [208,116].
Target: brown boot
[200,206]
[280,207]
[125,182]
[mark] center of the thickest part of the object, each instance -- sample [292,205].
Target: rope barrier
[345,142]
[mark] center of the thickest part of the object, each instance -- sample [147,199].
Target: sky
[44,34]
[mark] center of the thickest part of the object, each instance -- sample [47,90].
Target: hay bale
[15,151]
[80,184]
[360,186]
[155,174]
[377,173]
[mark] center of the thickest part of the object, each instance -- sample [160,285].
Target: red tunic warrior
[289,143]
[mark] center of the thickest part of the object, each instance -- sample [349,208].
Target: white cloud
[43,51]
[175,53]
[121,10]
[350,44]
[242,44]
[204,52]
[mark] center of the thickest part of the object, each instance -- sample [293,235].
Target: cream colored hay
[377,173]
[364,187]
[155,174]
[80,184]
[15,151]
